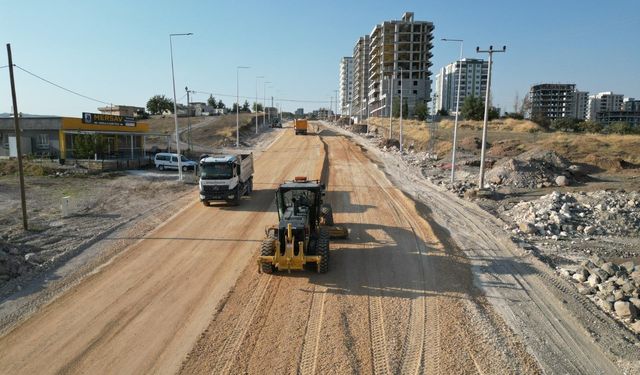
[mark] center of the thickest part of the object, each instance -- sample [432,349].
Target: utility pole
[490,51]
[391,79]
[401,109]
[188,120]
[16,121]
[257,78]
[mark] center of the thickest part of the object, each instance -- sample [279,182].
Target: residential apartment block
[473,82]
[400,58]
[604,101]
[346,84]
[359,104]
[557,100]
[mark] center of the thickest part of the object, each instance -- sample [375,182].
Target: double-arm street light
[490,51]
[256,104]
[238,103]
[455,122]
[175,104]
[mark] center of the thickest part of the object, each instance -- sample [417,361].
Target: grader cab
[304,230]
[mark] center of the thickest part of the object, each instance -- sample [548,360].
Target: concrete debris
[532,169]
[609,286]
[578,215]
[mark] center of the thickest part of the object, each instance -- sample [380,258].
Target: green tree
[257,107]
[472,108]
[565,125]
[221,105]
[494,113]
[421,111]
[620,127]
[211,101]
[442,112]
[591,127]
[234,107]
[396,108]
[514,115]
[85,146]
[245,107]
[158,104]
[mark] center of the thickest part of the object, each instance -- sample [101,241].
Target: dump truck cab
[225,177]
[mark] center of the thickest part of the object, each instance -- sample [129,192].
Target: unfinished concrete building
[400,58]
[557,100]
[360,108]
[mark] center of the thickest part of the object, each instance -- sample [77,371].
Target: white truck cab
[225,177]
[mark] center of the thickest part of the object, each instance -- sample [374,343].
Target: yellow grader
[304,231]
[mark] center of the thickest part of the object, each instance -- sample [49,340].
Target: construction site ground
[425,283]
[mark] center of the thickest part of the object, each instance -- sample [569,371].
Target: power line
[60,87]
[4,66]
[253,98]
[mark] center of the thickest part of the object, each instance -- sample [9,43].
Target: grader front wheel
[268,248]
[323,250]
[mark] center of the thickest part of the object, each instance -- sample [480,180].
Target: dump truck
[304,230]
[225,177]
[300,126]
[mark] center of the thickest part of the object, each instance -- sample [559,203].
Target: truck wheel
[184,168]
[322,249]
[268,248]
[327,213]
[206,203]
[161,167]
[250,188]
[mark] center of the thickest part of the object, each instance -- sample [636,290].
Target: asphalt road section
[399,297]
[143,311]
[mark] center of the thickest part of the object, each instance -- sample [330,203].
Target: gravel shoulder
[563,330]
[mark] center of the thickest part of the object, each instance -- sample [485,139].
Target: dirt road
[143,311]
[398,298]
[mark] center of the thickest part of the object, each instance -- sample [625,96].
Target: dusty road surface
[142,312]
[398,298]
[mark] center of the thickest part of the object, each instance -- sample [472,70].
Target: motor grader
[304,230]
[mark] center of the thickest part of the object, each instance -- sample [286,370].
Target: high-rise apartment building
[359,103]
[473,82]
[602,102]
[557,100]
[400,58]
[346,84]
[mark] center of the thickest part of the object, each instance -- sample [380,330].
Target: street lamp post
[175,105]
[257,78]
[455,122]
[238,103]
[264,102]
[391,79]
[490,51]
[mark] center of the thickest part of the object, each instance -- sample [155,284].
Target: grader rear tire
[268,248]
[322,249]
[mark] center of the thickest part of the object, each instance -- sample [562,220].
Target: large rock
[606,306]
[584,289]
[628,266]
[562,181]
[601,273]
[597,260]
[609,268]
[635,327]
[579,277]
[527,228]
[635,302]
[625,309]
[593,280]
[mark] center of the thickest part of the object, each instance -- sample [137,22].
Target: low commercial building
[116,137]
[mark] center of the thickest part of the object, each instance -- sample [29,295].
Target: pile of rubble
[533,169]
[614,288]
[562,215]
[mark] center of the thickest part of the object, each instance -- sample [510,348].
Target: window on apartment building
[42,141]
[398,91]
[415,83]
[399,82]
[415,92]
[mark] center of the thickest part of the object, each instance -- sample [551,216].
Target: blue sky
[118,51]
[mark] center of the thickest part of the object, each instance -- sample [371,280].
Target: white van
[165,160]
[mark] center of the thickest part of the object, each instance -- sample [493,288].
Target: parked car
[165,160]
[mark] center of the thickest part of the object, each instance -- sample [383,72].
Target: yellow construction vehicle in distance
[300,126]
[304,231]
